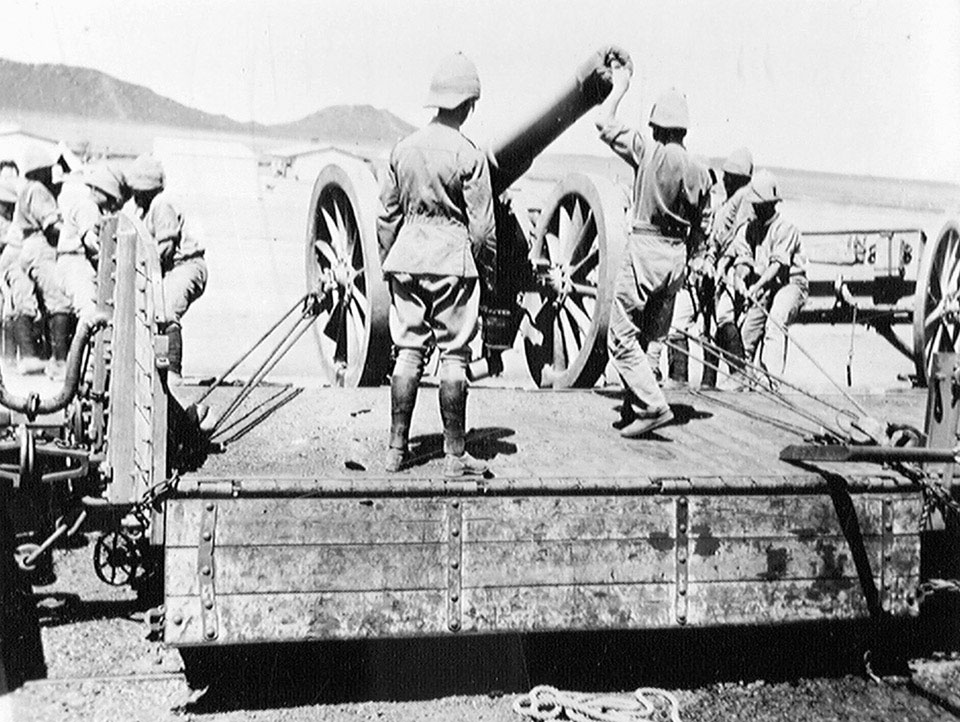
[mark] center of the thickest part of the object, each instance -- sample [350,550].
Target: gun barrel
[512,155]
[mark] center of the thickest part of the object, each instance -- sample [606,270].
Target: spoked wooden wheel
[343,263]
[576,253]
[936,313]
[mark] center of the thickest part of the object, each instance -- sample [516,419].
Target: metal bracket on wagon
[33,404]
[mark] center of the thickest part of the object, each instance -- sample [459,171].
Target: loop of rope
[643,705]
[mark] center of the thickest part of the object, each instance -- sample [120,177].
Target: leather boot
[174,353]
[453,410]
[730,342]
[711,361]
[25,331]
[403,398]
[677,363]
[59,331]
[728,339]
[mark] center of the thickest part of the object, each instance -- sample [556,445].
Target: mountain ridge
[85,92]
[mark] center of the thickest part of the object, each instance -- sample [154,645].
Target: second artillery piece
[554,268]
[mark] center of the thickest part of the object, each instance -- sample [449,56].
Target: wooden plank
[779,601]
[907,512]
[771,559]
[618,606]
[255,522]
[122,379]
[567,517]
[299,617]
[803,517]
[340,568]
[567,562]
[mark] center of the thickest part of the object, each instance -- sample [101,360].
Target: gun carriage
[283,544]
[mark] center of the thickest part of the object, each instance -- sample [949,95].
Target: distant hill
[347,121]
[67,90]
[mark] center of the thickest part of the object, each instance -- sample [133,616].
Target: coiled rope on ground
[643,705]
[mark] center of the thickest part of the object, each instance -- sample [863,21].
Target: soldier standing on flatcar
[435,227]
[670,192]
[178,245]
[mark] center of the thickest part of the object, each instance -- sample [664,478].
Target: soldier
[181,253]
[771,271]
[670,191]
[79,245]
[435,227]
[8,201]
[37,219]
[734,211]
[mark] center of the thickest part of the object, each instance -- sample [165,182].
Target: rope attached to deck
[645,704]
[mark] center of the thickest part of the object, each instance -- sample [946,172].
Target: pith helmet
[145,174]
[740,162]
[37,157]
[670,110]
[455,81]
[764,187]
[102,178]
[8,190]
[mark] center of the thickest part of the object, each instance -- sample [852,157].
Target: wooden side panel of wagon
[245,569]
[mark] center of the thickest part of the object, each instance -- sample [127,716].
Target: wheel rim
[579,234]
[937,307]
[343,265]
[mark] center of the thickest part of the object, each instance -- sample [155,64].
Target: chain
[547,703]
[151,498]
[935,496]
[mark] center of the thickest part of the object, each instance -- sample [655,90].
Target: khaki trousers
[644,295]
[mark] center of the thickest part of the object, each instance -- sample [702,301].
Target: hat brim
[447,101]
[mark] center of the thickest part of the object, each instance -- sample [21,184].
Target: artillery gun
[554,268]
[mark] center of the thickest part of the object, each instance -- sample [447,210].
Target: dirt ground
[102,667]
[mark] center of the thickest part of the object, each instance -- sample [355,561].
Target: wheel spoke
[589,261]
[574,334]
[332,232]
[324,248]
[559,355]
[553,247]
[934,318]
[532,305]
[565,230]
[578,315]
[585,290]
[588,230]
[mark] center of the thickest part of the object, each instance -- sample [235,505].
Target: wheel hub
[951,308]
[559,281]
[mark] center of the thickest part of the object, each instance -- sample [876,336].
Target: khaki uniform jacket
[35,212]
[670,189]
[437,215]
[757,245]
[81,225]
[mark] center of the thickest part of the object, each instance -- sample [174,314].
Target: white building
[14,142]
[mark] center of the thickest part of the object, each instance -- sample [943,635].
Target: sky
[862,86]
